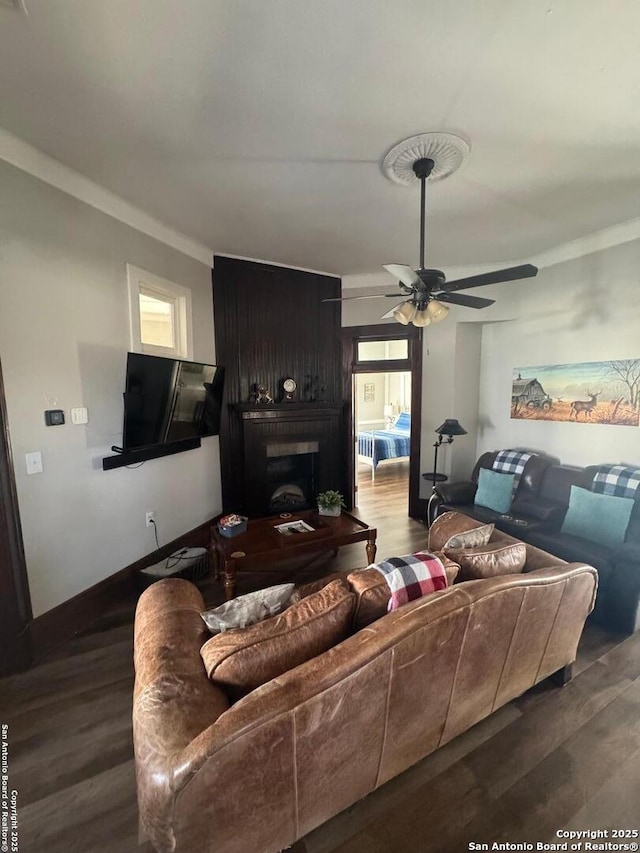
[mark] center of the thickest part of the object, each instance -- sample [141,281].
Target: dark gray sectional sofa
[536,516]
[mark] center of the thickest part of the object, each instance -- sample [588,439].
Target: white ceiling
[257,127]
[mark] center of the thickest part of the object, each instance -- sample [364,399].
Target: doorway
[382,370]
[382,419]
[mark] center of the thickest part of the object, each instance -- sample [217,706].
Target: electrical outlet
[34,462]
[151,518]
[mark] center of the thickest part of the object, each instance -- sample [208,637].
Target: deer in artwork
[585,406]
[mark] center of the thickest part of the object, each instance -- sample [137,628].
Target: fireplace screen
[291,475]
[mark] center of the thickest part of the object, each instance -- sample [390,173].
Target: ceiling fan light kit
[432,157]
[421,319]
[405,313]
[436,311]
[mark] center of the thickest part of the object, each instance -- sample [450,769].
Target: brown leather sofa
[536,516]
[259,774]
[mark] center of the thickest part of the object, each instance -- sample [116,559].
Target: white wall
[63,342]
[583,310]
[370,414]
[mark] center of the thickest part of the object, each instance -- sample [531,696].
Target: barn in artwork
[594,392]
[530,394]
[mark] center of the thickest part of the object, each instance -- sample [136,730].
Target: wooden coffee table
[262,544]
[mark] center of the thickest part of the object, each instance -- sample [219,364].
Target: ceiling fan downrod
[422,169]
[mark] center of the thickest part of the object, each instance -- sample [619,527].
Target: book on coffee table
[294,528]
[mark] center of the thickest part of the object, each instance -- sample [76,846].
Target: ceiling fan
[427,291]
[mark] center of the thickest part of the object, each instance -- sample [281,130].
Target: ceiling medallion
[447,151]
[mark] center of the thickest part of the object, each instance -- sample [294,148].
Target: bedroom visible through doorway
[382,420]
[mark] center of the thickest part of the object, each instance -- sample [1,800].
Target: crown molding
[597,241]
[29,159]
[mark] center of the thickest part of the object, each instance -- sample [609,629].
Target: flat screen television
[168,400]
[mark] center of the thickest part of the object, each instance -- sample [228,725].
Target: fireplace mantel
[277,411]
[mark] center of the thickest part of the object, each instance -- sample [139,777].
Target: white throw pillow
[248,609]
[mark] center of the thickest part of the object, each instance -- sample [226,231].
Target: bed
[380,444]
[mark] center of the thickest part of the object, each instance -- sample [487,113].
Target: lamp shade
[451,427]
[405,313]
[436,311]
[388,410]
[422,318]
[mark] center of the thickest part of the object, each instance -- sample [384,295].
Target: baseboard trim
[79,613]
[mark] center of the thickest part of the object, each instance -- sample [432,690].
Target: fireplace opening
[291,472]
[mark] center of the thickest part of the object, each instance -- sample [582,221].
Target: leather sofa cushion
[628,553]
[633,530]
[373,593]
[490,560]
[574,549]
[372,596]
[454,530]
[240,660]
[557,482]
[538,509]
[452,569]
[306,589]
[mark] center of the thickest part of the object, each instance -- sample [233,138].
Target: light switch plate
[34,462]
[79,416]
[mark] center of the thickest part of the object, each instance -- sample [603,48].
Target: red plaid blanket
[411,576]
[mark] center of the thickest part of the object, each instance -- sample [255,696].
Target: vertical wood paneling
[270,322]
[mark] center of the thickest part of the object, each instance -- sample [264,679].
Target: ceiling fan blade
[389,314]
[366,296]
[406,275]
[510,274]
[465,299]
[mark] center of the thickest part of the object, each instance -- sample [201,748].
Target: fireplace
[291,452]
[291,473]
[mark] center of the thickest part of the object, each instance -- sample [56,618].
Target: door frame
[15,600]
[351,337]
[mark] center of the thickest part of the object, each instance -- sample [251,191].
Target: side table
[433,478]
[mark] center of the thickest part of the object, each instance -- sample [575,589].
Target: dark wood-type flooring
[556,758]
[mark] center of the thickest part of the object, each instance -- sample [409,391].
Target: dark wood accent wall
[270,322]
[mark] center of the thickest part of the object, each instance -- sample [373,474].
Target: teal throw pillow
[599,518]
[494,490]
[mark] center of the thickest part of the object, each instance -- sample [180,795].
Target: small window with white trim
[160,315]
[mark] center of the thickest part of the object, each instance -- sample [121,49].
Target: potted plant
[330,502]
